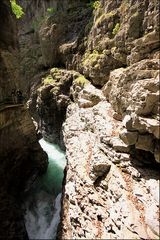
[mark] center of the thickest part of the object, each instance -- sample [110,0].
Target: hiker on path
[13,93]
[19,96]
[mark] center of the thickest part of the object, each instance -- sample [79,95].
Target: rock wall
[110,192]
[49,36]
[8,60]
[53,98]
[134,95]
[111,163]
[99,38]
[21,158]
[111,131]
[117,49]
[29,43]
[123,33]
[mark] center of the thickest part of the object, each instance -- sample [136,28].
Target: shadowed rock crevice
[101,178]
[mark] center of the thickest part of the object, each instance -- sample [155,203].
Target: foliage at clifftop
[16,9]
[94,4]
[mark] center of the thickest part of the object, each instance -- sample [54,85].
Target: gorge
[80,154]
[43,203]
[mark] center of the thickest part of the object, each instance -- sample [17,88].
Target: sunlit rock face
[127,32]
[108,193]
[21,157]
[123,33]
[134,95]
[52,101]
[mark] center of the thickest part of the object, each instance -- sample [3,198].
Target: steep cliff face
[98,38]
[50,34]
[21,157]
[8,61]
[123,33]
[123,36]
[52,102]
[53,98]
[30,50]
[111,134]
[110,191]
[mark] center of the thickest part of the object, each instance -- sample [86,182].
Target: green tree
[16,9]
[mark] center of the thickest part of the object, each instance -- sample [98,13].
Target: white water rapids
[43,203]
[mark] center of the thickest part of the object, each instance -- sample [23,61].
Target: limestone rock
[119,145]
[128,137]
[102,183]
[52,101]
[101,168]
[57,90]
[127,122]
[90,96]
[105,194]
[48,35]
[84,103]
[117,116]
[97,66]
[147,124]
[145,142]
[122,34]
[133,93]
[128,89]
[151,219]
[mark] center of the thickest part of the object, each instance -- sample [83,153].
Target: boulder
[147,124]
[90,96]
[119,145]
[128,137]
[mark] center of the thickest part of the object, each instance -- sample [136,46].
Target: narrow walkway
[6,106]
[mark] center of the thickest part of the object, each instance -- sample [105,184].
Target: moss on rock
[81,80]
[49,80]
[91,58]
[116,29]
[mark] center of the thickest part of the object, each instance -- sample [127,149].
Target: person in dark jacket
[19,96]
[13,93]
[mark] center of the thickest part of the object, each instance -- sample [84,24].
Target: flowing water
[44,199]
